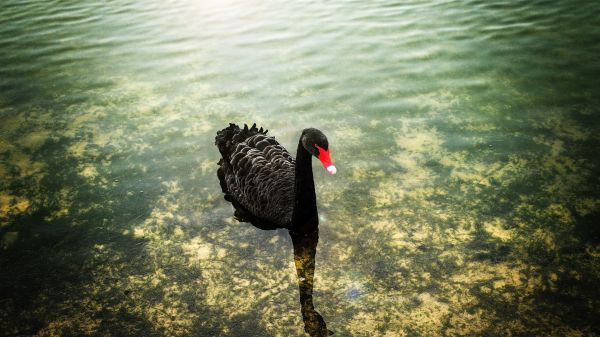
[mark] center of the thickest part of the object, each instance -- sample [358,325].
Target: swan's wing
[260,176]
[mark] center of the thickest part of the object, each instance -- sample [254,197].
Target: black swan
[269,189]
[264,183]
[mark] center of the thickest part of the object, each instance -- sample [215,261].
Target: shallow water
[465,136]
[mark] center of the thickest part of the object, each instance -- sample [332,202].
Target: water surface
[465,136]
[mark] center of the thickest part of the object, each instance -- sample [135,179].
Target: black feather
[257,173]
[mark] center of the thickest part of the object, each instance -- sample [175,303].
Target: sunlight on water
[466,200]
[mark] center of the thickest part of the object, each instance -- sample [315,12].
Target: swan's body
[263,181]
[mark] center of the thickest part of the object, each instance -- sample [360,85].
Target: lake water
[465,134]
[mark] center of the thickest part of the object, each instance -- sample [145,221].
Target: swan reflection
[305,250]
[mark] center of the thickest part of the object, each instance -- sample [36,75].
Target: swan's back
[257,173]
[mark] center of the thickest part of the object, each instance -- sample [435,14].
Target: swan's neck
[305,216]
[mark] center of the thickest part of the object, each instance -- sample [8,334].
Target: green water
[465,134]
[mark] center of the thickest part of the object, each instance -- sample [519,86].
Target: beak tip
[331,169]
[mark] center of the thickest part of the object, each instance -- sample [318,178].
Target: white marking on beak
[331,169]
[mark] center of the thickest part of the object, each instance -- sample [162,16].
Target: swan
[262,180]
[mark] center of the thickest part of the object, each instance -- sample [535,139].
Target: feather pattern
[257,173]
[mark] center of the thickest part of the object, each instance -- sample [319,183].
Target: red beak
[325,158]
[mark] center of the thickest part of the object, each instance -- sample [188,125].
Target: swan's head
[315,142]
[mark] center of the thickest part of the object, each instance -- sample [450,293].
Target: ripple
[465,134]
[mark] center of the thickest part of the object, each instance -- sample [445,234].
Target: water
[465,136]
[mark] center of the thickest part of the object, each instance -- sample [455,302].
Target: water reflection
[305,249]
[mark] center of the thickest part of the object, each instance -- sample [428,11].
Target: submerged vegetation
[105,229]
